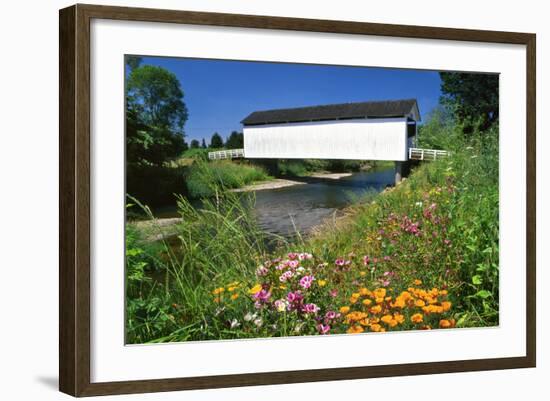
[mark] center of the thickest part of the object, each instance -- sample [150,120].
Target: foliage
[203,144]
[473,97]
[303,167]
[133,62]
[154,185]
[155,115]
[196,153]
[205,179]
[216,141]
[235,140]
[194,144]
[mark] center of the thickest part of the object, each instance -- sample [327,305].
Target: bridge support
[402,170]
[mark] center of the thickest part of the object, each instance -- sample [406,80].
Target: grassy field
[423,255]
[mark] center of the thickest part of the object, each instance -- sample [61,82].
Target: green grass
[205,179]
[203,291]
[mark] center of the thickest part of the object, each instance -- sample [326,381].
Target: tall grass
[205,178]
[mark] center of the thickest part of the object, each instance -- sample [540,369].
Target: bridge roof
[373,109]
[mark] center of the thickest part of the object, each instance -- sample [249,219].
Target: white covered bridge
[376,130]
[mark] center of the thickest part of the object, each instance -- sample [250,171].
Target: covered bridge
[376,130]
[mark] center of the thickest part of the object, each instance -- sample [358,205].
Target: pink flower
[294,297]
[286,276]
[323,328]
[366,260]
[387,258]
[292,255]
[311,308]
[330,315]
[340,262]
[262,296]
[293,264]
[306,281]
[262,271]
[333,293]
[304,256]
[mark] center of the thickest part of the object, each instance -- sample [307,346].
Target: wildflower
[417,282]
[305,282]
[444,323]
[362,273]
[311,308]
[417,318]
[262,295]
[344,309]
[293,264]
[341,262]
[365,292]
[323,328]
[322,283]
[399,318]
[355,329]
[286,276]
[376,327]
[292,255]
[333,293]
[330,315]
[354,297]
[218,291]
[234,296]
[375,309]
[304,256]
[255,289]
[367,302]
[249,316]
[366,260]
[446,305]
[234,323]
[385,283]
[420,303]
[281,305]
[258,322]
[379,293]
[262,271]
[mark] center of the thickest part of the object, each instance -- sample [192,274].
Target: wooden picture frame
[74,204]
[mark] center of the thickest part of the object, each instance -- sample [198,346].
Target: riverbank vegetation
[421,255]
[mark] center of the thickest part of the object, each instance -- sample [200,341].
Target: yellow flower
[379,300]
[417,282]
[231,289]
[255,289]
[380,293]
[417,318]
[282,287]
[344,309]
[322,283]
[364,292]
[367,302]
[218,291]
[362,274]
[234,296]
[443,292]
[355,329]
[446,305]
[354,297]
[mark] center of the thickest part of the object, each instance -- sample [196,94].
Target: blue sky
[220,93]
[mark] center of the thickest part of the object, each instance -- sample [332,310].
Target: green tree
[473,97]
[216,141]
[195,144]
[133,62]
[235,140]
[156,115]
[203,144]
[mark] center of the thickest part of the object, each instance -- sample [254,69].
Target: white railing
[427,154]
[226,154]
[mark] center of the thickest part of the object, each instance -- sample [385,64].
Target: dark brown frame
[74,203]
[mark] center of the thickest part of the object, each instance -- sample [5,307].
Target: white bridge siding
[357,139]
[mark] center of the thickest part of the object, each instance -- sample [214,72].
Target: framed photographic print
[250,200]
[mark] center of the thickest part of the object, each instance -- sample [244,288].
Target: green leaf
[476,280]
[483,294]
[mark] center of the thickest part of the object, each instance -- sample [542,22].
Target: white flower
[258,322]
[419,204]
[235,323]
[249,316]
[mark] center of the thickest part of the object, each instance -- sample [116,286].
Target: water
[284,211]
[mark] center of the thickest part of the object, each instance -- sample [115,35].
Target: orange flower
[364,292]
[444,323]
[355,329]
[376,327]
[344,309]
[417,282]
[417,318]
[255,289]
[380,293]
[420,303]
[234,296]
[399,318]
[218,291]
[367,302]
[446,305]
[376,309]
